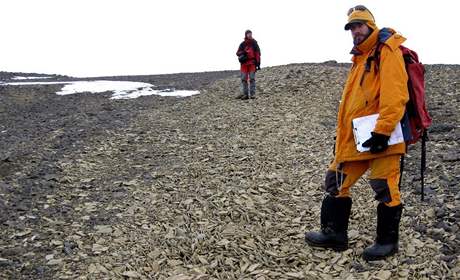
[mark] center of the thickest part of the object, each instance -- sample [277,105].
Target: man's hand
[258,66]
[378,143]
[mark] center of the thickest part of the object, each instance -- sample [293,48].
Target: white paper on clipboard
[363,126]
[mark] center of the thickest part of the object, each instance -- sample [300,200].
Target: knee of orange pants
[384,179]
[340,177]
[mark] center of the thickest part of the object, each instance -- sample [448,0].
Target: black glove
[257,65]
[378,143]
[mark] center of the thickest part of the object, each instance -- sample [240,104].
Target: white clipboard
[363,126]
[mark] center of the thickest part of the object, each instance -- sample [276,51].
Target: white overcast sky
[112,37]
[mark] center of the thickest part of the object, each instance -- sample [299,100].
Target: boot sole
[378,258]
[332,246]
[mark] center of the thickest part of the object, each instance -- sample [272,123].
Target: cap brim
[348,25]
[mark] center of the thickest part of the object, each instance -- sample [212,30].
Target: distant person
[249,56]
[380,88]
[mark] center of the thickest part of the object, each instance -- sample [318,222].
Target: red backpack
[416,119]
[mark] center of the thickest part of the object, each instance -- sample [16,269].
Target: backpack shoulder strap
[255,45]
[374,57]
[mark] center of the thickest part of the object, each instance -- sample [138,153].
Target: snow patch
[178,93]
[30,78]
[119,89]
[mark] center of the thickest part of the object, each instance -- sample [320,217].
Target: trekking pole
[422,182]
[401,170]
[423,164]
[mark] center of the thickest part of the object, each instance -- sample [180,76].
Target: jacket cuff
[381,130]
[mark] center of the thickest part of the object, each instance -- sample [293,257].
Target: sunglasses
[358,8]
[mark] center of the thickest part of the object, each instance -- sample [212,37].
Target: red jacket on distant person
[252,50]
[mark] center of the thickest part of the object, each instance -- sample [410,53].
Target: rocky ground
[183,81]
[209,187]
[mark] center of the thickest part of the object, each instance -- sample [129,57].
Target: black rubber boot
[335,213]
[387,241]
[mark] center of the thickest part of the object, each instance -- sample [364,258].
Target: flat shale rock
[210,187]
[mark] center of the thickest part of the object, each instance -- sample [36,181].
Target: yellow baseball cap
[360,14]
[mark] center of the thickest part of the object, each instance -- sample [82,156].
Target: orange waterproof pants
[384,178]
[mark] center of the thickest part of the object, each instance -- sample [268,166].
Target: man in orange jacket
[249,56]
[378,89]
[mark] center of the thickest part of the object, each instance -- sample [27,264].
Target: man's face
[249,35]
[359,32]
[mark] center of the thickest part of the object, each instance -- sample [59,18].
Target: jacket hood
[391,38]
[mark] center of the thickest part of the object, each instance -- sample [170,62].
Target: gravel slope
[208,187]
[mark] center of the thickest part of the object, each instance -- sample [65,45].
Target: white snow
[102,86]
[119,89]
[149,91]
[29,78]
[178,93]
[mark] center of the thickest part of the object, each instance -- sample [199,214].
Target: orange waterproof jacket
[384,92]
